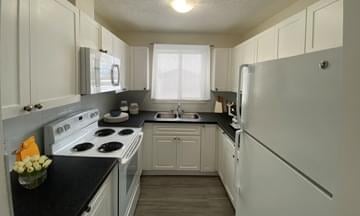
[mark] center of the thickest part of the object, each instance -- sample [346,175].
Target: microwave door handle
[136,148]
[112,75]
[118,72]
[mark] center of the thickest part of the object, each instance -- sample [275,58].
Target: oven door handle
[134,150]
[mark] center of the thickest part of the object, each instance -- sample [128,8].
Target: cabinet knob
[216,89]
[233,156]
[103,51]
[38,106]
[28,108]
[144,89]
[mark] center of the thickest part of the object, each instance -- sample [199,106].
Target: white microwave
[99,72]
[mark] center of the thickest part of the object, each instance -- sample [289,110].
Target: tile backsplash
[16,130]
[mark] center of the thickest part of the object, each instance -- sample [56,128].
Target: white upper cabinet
[248,51]
[291,36]
[235,66]
[54,53]
[140,68]
[220,69]
[39,68]
[324,25]
[14,65]
[90,32]
[121,50]
[266,45]
[106,41]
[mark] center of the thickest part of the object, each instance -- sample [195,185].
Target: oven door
[129,179]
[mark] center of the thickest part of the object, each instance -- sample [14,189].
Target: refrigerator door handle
[238,98]
[237,138]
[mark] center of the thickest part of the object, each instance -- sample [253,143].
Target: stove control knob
[93,115]
[59,130]
[67,127]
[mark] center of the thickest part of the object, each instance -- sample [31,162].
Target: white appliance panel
[292,106]
[268,186]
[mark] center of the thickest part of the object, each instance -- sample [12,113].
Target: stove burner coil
[82,147]
[110,147]
[104,132]
[125,132]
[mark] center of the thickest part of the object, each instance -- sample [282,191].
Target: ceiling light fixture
[181,6]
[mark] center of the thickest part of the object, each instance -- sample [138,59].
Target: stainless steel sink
[166,115]
[189,116]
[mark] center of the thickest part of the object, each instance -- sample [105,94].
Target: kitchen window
[181,72]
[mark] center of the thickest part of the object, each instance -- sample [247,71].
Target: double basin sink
[176,116]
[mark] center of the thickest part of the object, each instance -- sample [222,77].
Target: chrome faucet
[179,110]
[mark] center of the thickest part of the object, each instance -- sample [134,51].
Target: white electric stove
[79,135]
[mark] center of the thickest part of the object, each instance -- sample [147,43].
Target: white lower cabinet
[105,200]
[164,153]
[227,162]
[179,147]
[188,153]
[176,153]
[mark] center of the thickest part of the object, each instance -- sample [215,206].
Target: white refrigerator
[288,145]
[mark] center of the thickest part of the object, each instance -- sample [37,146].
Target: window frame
[183,48]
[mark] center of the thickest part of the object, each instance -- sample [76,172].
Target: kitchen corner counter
[70,186]
[221,119]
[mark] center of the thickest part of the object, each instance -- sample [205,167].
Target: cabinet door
[105,201]
[106,41]
[220,153]
[140,68]
[324,25]
[54,53]
[268,186]
[188,153]
[248,51]
[120,50]
[291,35]
[90,32]
[266,45]
[208,148]
[220,69]
[229,167]
[236,63]
[14,57]
[147,147]
[164,153]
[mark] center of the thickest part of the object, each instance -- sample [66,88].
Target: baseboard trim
[176,172]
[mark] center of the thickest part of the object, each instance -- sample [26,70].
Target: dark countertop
[221,119]
[70,185]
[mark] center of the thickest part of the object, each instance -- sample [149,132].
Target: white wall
[349,193]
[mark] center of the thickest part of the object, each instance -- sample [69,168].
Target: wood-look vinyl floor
[183,196]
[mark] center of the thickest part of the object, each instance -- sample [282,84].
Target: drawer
[175,129]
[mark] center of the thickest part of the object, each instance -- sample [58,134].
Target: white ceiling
[208,16]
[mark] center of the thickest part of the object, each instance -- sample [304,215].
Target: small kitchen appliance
[99,72]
